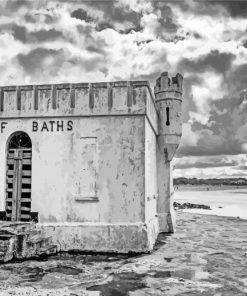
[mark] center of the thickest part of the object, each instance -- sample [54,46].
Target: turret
[168,97]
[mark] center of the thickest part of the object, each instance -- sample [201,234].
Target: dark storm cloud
[89,64]
[44,35]
[102,25]
[241,167]
[166,18]
[114,12]
[33,61]
[237,79]
[29,18]
[129,19]
[113,15]
[197,7]
[14,5]
[47,18]
[20,33]
[235,8]
[225,131]
[219,62]
[81,14]
[245,44]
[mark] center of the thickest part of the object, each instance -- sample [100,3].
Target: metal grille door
[18,199]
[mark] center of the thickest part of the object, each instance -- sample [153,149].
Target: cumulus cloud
[223,131]
[211,167]
[206,162]
[74,41]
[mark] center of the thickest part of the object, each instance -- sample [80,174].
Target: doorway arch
[18,177]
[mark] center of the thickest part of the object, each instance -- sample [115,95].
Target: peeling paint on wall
[99,159]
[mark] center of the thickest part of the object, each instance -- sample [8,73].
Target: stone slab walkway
[206,256]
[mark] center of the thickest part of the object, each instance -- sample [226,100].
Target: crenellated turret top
[168,99]
[166,83]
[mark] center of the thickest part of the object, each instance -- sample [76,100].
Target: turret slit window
[167,116]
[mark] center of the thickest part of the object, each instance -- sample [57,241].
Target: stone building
[90,163]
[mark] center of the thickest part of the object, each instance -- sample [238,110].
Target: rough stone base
[20,240]
[102,237]
[26,240]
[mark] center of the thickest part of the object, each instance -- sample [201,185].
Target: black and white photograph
[123,147]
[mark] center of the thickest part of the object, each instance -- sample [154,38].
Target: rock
[188,205]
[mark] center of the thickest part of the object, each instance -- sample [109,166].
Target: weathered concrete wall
[151,189]
[100,159]
[88,160]
[151,183]
[75,181]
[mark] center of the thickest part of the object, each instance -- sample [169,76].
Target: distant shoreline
[229,202]
[207,187]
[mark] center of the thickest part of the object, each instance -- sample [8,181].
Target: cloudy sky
[206,41]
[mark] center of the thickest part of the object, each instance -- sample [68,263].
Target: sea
[230,203]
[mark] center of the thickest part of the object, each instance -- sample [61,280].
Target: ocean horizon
[229,203]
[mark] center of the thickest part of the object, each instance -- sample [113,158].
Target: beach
[206,256]
[229,202]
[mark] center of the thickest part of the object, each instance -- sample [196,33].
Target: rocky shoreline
[188,205]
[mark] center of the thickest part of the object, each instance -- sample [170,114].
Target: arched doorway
[18,177]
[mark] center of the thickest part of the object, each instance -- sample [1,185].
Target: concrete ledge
[102,237]
[28,240]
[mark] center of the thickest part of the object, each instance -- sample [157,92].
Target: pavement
[206,256]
